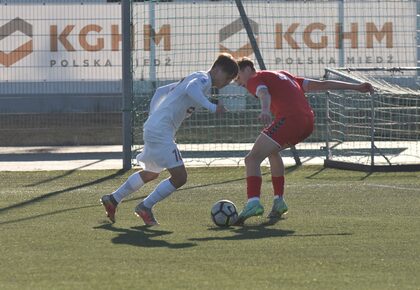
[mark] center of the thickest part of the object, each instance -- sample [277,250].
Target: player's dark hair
[227,63]
[245,62]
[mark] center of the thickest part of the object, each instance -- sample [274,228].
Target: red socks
[278,185]
[253,186]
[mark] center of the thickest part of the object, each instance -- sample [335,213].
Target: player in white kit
[170,105]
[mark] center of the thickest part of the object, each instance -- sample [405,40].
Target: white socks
[278,197]
[162,191]
[133,183]
[253,199]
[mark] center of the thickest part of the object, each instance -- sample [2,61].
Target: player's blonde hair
[227,63]
[246,62]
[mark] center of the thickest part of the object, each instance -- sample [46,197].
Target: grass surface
[344,230]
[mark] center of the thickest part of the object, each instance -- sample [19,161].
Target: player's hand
[265,117]
[220,109]
[365,88]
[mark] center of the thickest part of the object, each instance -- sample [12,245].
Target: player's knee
[274,156]
[153,176]
[147,176]
[183,179]
[253,160]
[249,160]
[179,180]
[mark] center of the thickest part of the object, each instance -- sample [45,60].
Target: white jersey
[172,103]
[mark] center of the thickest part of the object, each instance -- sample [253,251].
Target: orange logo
[9,58]
[232,29]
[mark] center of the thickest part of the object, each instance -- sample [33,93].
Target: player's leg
[164,189]
[291,130]
[277,178]
[276,164]
[135,181]
[264,146]
[132,184]
[178,176]
[168,156]
[167,186]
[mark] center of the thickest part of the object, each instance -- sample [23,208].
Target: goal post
[374,132]
[127,82]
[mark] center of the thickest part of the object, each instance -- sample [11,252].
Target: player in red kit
[282,95]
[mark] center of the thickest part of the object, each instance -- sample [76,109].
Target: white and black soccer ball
[224,213]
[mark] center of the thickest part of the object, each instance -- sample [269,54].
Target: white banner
[83,42]
[60,42]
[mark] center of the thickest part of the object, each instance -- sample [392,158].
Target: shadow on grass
[98,205]
[287,170]
[47,214]
[215,183]
[315,173]
[55,193]
[66,173]
[253,232]
[368,174]
[143,236]
[292,168]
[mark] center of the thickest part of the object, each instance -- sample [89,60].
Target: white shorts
[157,157]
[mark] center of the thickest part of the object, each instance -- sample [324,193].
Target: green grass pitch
[344,230]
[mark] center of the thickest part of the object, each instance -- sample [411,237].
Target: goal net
[174,38]
[379,131]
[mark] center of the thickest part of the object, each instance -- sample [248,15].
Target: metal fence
[61,61]
[60,68]
[303,37]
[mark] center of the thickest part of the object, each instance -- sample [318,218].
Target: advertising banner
[83,42]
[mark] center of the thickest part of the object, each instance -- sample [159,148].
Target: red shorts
[289,131]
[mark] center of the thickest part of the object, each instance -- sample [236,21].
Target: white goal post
[378,132]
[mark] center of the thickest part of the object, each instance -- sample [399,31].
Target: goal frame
[329,161]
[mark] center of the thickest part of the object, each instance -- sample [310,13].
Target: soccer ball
[224,213]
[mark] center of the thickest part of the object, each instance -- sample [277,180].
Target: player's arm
[265,98]
[195,91]
[310,85]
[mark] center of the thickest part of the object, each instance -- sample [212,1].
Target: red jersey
[287,94]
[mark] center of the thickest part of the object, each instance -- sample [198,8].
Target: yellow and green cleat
[279,208]
[252,208]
